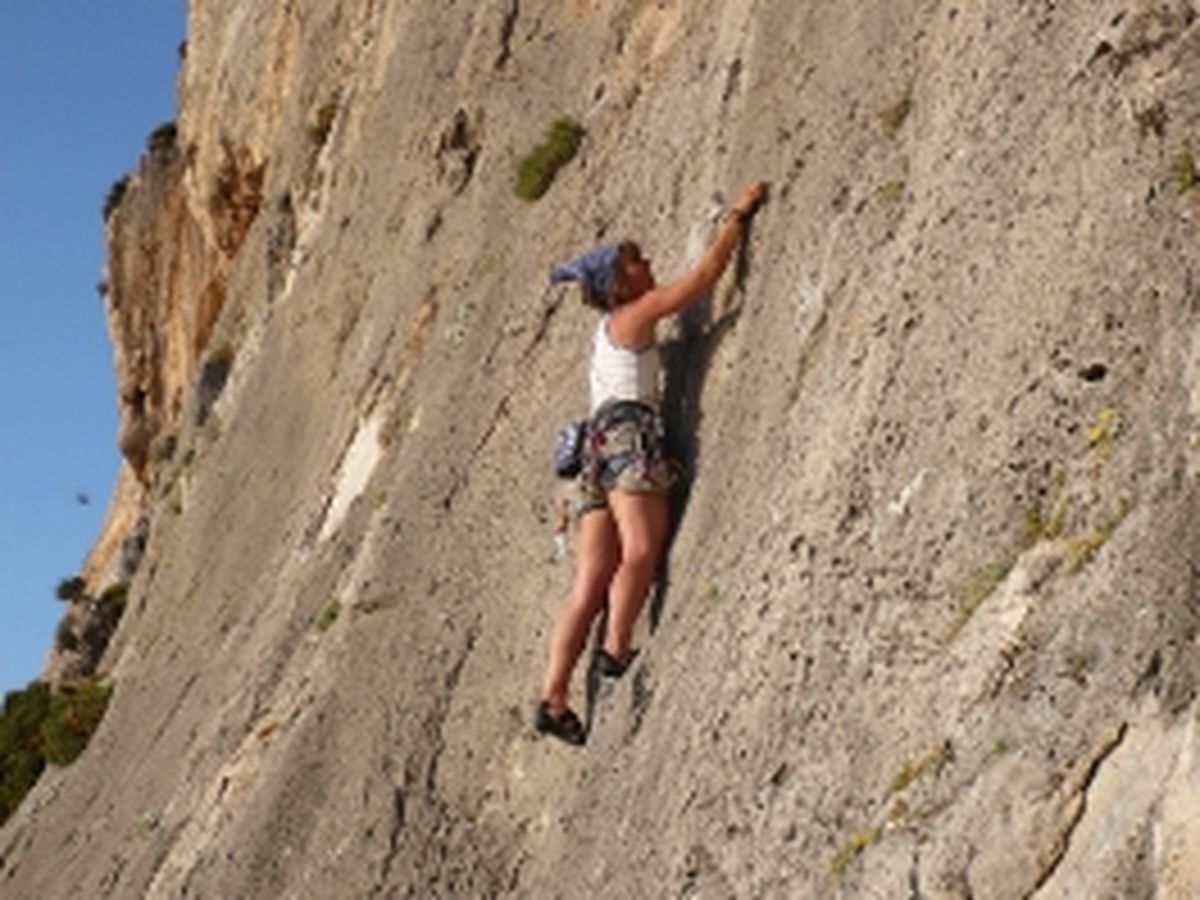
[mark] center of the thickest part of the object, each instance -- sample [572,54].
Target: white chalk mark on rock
[899,506]
[355,471]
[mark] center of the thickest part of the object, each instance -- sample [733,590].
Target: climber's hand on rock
[750,199]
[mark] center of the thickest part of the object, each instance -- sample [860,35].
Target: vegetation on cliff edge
[40,726]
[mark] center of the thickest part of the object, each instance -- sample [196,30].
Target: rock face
[928,627]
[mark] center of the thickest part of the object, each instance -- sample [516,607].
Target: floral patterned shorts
[624,451]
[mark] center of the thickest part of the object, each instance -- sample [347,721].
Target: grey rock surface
[929,622]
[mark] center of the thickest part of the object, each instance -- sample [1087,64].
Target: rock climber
[624,485]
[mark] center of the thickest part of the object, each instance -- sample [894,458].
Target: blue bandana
[595,269]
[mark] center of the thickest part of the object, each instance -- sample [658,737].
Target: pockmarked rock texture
[928,626]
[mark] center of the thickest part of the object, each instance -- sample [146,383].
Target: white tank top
[618,373]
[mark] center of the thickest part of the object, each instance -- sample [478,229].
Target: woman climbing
[624,508]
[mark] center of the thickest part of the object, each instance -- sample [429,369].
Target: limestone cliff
[929,624]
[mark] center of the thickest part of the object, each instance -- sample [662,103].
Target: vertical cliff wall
[929,622]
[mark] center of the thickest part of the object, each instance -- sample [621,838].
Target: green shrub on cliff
[74,714]
[38,727]
[21,757]
[116,194]
[162,139]
[65,638]
[537,169]
[71,590]
[115,596]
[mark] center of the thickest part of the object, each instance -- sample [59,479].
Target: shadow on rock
[686,362]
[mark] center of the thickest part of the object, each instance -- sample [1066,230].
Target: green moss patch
[851,850]
[536,170]
[328,616]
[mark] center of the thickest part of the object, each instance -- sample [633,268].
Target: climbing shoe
[565,726]
[609,666]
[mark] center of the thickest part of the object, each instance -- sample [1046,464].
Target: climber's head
[610,275]
[633,275]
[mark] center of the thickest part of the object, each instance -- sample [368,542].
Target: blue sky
[82,85]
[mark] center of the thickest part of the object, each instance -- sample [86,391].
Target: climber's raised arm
[632,323]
